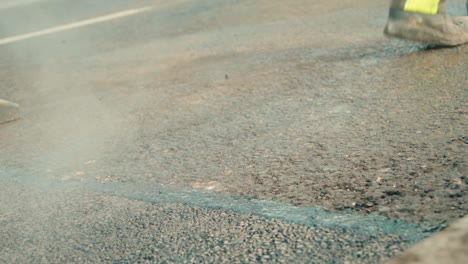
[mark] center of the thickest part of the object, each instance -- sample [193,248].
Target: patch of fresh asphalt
[56,223]
[160,194]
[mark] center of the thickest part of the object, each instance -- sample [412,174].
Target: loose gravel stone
[57,226]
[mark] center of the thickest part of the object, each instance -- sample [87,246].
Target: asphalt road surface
[225,131]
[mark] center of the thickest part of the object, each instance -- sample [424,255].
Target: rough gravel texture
[71,226]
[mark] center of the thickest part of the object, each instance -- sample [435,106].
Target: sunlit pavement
[224,131]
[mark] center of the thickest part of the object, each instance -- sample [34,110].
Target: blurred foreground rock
[448,247]
[8,111]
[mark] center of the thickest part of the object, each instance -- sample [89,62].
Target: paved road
[224,131]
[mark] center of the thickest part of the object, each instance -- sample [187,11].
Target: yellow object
[429,7]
